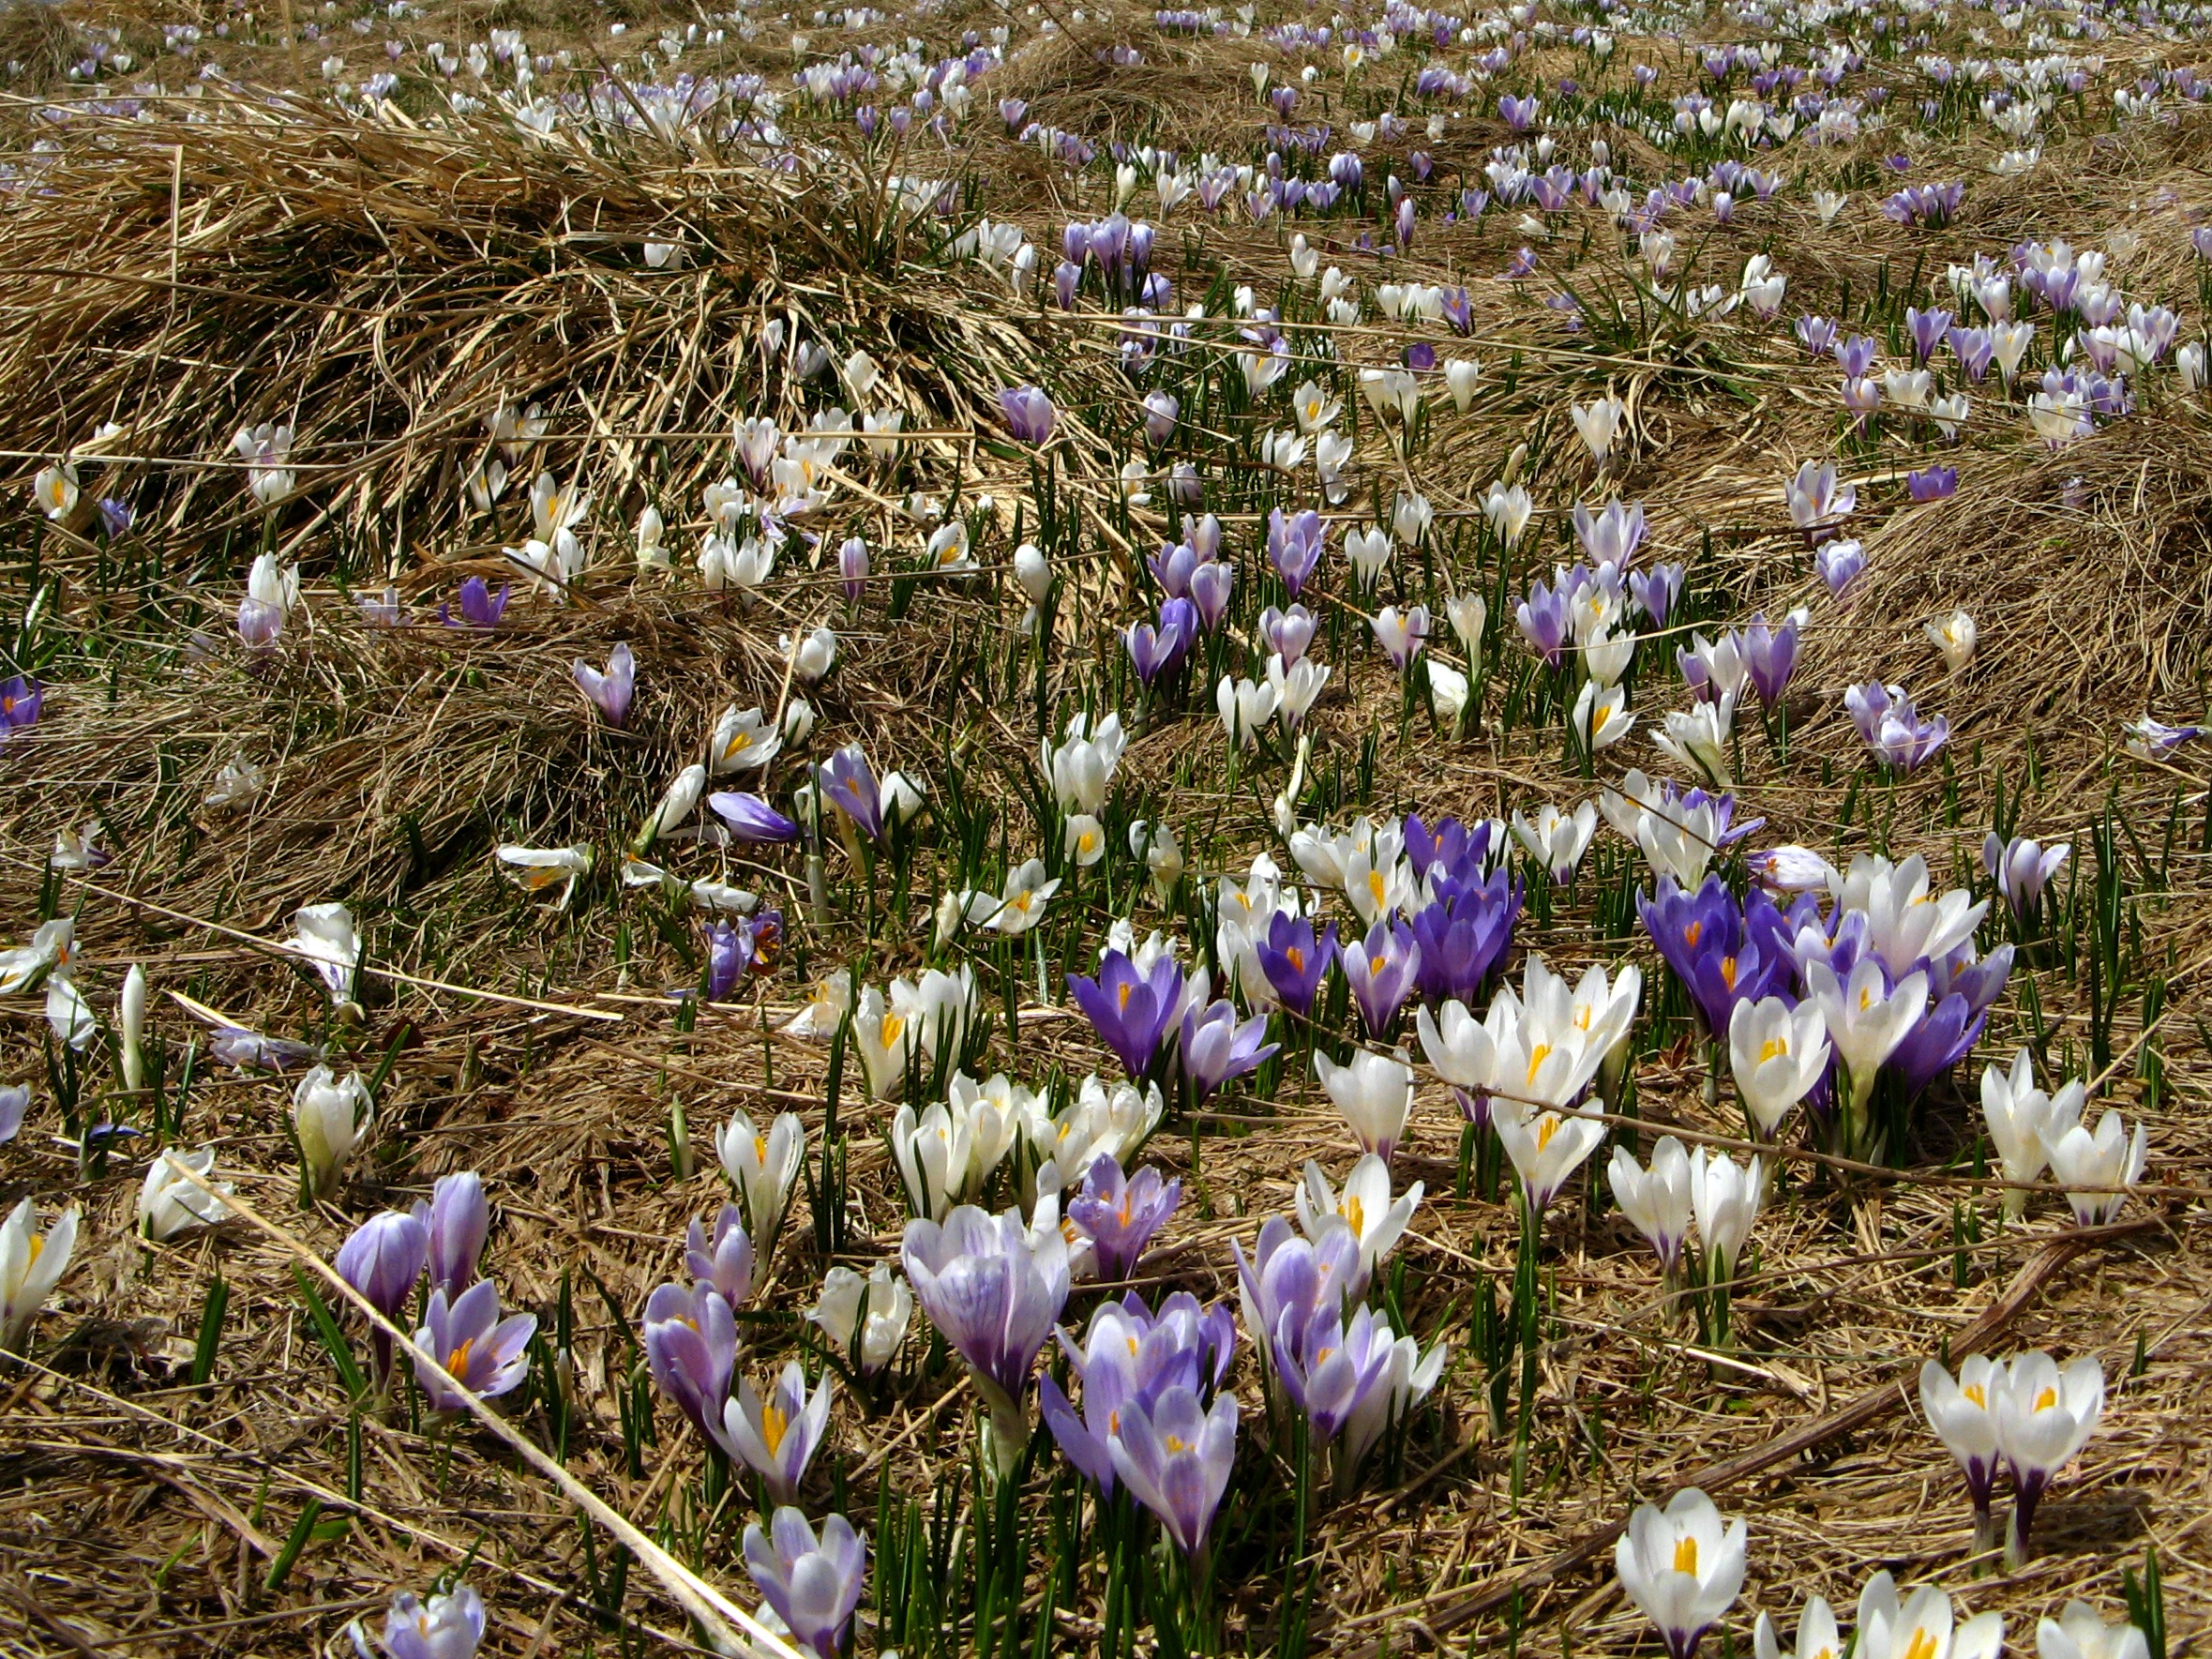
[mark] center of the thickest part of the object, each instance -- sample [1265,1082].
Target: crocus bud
[1034,571]
[459,1217]
[133,1021]
[676,807]
[798,720]
[328,1117]
[852,567]
[382,1261]
[650,554]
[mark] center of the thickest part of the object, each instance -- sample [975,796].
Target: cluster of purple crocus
[1930,205]
[736,945]
[387,1254]
[1122,252]
[1336,1372]
[1892,728]
[1155,1017]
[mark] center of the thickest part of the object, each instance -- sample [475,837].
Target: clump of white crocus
[31,1264]
[1558,839]
[947,1154]
[171,1201]
[865,1319]
[328,1119]
[2020,1117]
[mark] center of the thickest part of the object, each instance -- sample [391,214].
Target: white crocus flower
[762,1167]
[1865,1019]
[1601,716]
[31,1266]
[1407,1379]
[170,1202]
[1682,1566]
[1727,1198]
[324,935]
[1698,737]
[1658,1202]
[2020,1119]
[1817,1636]
[1558,839]
[884,1036]
[1364,1206]
[2096,1168]
[1598,425]
[1018,905]
[1375,1092]
[1460,377]
[547,870]
[1081,769]
[1509,509]
[1922,1627]
[2078,1632]
[328,1118]
[1776,1053]
[741,741]
[1245,709]
[1954,636]
[865,1319]
[1905,924]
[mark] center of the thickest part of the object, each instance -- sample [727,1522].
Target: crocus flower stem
[1525,1319]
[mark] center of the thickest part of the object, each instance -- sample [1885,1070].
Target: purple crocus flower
[813,1585]
[22,698]
[1287,632]
[1456,852]
[724,1262]
[383,1259]
[116,516]
[1517,113]
[691,1348]
[448,1626]
[1464,936]
[1855,355]
[852,567]
[1944,1037]
[1216,1049]
[729,952]
[484,1354]
[1975,351]
[1295,546]
[993,1295]
[1294,961]
[750,818]
[1327,1368]
[480,607]
[1128,1008]
[1157,652]
[1927,328]
[1722,954]
[1818,335]
[459,1217]
[609,692]
[1934,483]
[775,1437]
[2022,867]
[1171,568]
[1655,591]
[1211,583]
[1120,1214]
[1770,657]
[259,622]
[1290,1278]
[848,782]
[1891,726]
[1129,1354]
[1381,970]
[1542,621]
[1176,1458]
[1030,413]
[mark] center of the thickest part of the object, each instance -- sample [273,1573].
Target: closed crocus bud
[382,1261]
[813,656]
[1034,571]
[328,1117]
[459,1217]
[1161,412]
[676,805]
[852,567]
[1469,615]
[133,1022]
[650,554]
[798,720]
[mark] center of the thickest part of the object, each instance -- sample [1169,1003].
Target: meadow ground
[322,328]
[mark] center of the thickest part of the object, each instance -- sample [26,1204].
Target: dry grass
[386,288]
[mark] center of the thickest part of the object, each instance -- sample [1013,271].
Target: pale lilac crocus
[459,1217]
[1120,1214]
[751,819]
[1294,546]
[1380,968]
[485,1354]
[1216,1049]
[1840,563]
[2022,868]
[775,1436]
[1176,1458]
[1892,728]
[1769,658]
[1030,413]
[609,692]
[848,782]
[724,1261]
[382,1261]
[852,567]
[449,1626]
[1288,633]
[813,1583]
[690,1343]
[1328,1367]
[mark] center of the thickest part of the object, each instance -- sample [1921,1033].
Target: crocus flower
[1682,1566]
[1175,1457]
[1866,1019]
[1329,1366]
[1364,1206]
[21,699]
[609,692]
[1381,970]
[2044,1414]
[814,1585]
[485,1355]
[1129,1010]
[1933,483]
[1891,726]
[1156,652]
[459,1217]
[170,1202]
[1776,1054]
[1546,1146]
[1840,563]
[725,1260]
[776,1436]
[1216,1049]
[1558,839]
[1770,657]
[1290,1279]
[480,607]
[1293,961]
[690,1343]
[2078,1632]
[1120,1214]
[1294,546]
[1375,1092]
[31,1266]
[2082,1160]
[865,1319]
[1464,935]
[848,782]
[1722,954]
[324,935]
[1658,1202]
[1954,637]
[447,1626]
[2022,867]
[945,1155]
[1727,1196]
[750,818]
[762,1167]
[2020,1119]
[328,1118]
[1960,1411]
[15,1100]
[993,1292]
[1923,1627]
[2147,739]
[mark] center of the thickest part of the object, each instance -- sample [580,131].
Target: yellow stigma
[1126,988]
[1693,933]
[761,1149]
[1772,1047]
[1296,959]
[2045,1400]
[1546,1126]
[772,1425]
[1973,1391]
[458,1361]
[743,740]
[1376,964]
[1686,1555]
[1175,1444]
[1374,886]
[38,1244]
[1085,841]
[1355,1214]
[892,1025]
[1728,971]
[1537,1056]
[1921,1647]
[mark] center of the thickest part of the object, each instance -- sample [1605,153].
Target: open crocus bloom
[1682,1566]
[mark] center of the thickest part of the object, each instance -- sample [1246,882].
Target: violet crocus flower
[1288,633]
[1290,1278]
[116,516]
[1216,1049]
[848,782]
[1464,936]
[1769,658]
[1176,1458]
[484,1354]
[1943,1037]
[1891,726]
[2022,867]
[1517,113]
[1543,619]
[480,607]
[852,567]
[1120,1214]
[775,1437]
[383,1259]
[1933,483]
[1855,355]
[750,818]
[22,698]
[730,953]
[1927,329]
[1131,1354]
[1294,961]
[725,1260]
[1840,563]
[1817,334]
[259,622]
[609,692]
[1381,970]
[690,1343]
[1130,1009]
[1327,1368]
[1655,591]
[1030,413]
[448,1626]
[1211,583]
[459,1217]
[1722,954]
[993,1294]
[1295,546]
[1155,652]
[814,1585]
